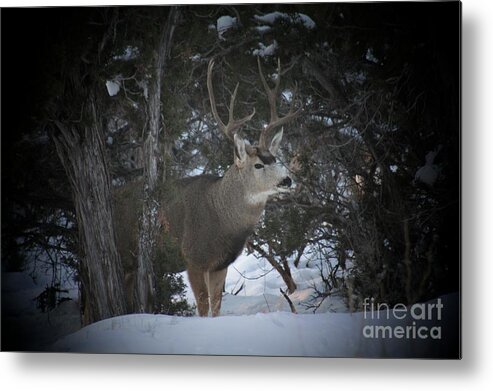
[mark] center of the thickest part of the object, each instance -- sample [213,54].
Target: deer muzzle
[285,183]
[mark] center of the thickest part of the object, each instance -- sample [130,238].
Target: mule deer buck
[209,217]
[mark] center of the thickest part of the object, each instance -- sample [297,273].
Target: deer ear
[276,141]
[240,151]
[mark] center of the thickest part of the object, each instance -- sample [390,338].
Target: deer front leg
[216,284]
[199,288]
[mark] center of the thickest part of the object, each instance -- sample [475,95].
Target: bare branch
[291,305]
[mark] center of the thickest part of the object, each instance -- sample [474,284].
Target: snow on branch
[113,87]
[264,51]
[224,23]
[295,18]
[428,173]
[129,53]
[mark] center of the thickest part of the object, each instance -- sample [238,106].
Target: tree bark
[149,225]
[81,150]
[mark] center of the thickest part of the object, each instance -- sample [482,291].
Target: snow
[287,95]
[24,289]
[224,23]
[370,56]
[195,171]
[263,29]
[357,77]
[271,334]
[255,320]
[196,57]
[144,87]
[260,286]
[297,17]
[428,173]
[129,53]
[271,17]
[350,131]
[260,334]
[19,312]
[307,21]
[265,51]
[113,87]
[116,124]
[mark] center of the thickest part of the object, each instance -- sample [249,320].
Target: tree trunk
[82,153]
[149,225]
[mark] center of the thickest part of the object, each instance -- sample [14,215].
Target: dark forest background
[376,146]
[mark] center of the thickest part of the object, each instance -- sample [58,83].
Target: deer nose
[286,182]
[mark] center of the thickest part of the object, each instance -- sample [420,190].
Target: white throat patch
[259,198]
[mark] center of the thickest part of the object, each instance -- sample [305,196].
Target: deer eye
[258,166]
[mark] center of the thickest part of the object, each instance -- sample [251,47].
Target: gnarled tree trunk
[149,225]
[81,151]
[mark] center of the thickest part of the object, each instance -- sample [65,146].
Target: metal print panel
[267,179]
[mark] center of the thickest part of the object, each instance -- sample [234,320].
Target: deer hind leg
[200,291]
[215,285]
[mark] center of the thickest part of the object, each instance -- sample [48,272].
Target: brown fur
[211,219]
[208,218]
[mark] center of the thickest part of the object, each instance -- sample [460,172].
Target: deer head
[255,166]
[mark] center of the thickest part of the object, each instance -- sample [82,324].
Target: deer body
[210,218]
[209,240]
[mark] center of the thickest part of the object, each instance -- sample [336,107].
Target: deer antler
[275,120]
[233,125]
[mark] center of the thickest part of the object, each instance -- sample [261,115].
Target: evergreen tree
[374,152]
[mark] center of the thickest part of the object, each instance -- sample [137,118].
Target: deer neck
[237,203]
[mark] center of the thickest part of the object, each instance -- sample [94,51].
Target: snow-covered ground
[273,334]
[270,334]
[23,323]
[255,321]
[261,288]
[36,330]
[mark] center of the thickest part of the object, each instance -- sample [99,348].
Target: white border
[85,372]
